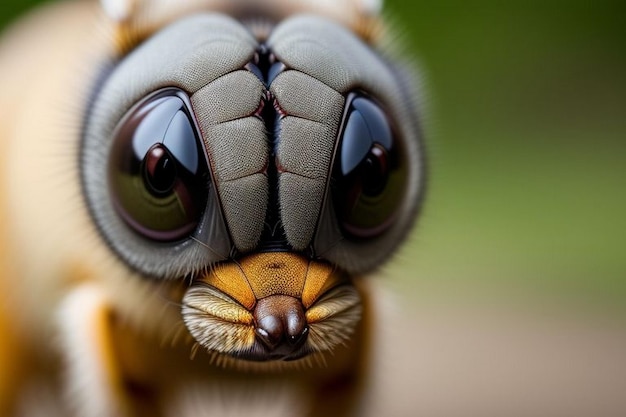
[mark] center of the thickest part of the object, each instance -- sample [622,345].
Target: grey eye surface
[183,168]
[158,175]
[161,195]
[369,177]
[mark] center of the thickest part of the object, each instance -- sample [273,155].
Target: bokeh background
[526,209]
[527,146]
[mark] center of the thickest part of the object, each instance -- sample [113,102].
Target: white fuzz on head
[372,7]
[117,10]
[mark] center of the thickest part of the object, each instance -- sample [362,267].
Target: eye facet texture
[197,54]
[324,60]
[261,151]
[157,169]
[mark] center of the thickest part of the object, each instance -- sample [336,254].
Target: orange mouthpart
[261,275]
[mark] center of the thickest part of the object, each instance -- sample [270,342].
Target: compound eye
[158,175]
[369,178]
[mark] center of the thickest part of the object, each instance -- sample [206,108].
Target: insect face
[271,171]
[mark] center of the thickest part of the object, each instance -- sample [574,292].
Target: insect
[196,192]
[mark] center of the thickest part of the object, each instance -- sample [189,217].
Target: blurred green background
[526,137]
[527,145]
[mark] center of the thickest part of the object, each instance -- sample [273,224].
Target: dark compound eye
[369,178]
[158,174]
